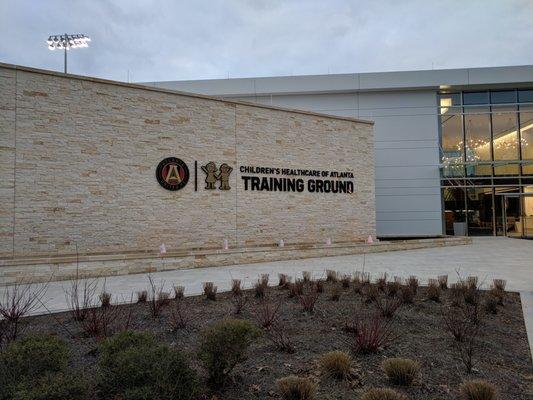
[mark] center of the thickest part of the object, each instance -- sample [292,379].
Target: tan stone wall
[78,159]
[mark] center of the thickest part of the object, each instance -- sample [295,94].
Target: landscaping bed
[416,331]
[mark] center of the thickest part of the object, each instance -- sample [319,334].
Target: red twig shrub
[370,333]
[370,293]
[154,301]
[443,281]
[179,316]
[236,287]
[407,295]
[381,282]
[319,286]
[308,299]
[306,275]
[413,283]
[260,289]
[105,299]
[80,296]
[346,280]
[18,301]
[335,293]
[142,296]
[239,302]
[296,288]
[278,335]
[284,281]
[268,312]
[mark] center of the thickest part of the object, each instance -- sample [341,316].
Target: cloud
[172,40]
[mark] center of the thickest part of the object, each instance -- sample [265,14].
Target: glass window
[454,211]
[508,96]
[472,98]
[525,96]
[507,211]
[478,143]
[449,99]
[526,137]
[451,141]
[479,211]
[505,139]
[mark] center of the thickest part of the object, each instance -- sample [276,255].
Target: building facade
[453,148]
[110,169]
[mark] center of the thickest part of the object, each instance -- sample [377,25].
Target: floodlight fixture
[67,42]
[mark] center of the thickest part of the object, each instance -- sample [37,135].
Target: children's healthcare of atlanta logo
[172,173]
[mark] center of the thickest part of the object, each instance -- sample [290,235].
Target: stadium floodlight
[67,42]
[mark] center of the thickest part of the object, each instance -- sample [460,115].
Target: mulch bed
[502,357]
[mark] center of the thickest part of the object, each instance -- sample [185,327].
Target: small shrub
[296,289]
[331,276]
[306,275]
[260,289]
[491,304]
[99,320]
[264,279]
[268,312]
[179,292]
[336,363]
[335,294]
[472,282]
[284,281]
[154,301]
[392,288]
[369,333]
[371,293]
[319,286]
[239,302]
[401,371]
[105,299]
[223,346]
[413,283]
[407,295]
[383,394]
[30,359]
[477,389]
[457,294]
[163,298]
[179,316]
[433,290]
[210,291]
[381,282]
[345,281]
[295,388]
[497,294]
[142,296]
[443,281]
[135,366]
[388,306]
[280,338]
[499,284]
[308,299]
[455,323]
[236,287]
[59,386]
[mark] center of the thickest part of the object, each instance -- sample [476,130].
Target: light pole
[67,42]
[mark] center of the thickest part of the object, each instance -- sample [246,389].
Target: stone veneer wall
[78,158]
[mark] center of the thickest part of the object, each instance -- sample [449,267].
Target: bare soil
[502,356]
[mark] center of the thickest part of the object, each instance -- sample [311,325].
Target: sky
[141,40]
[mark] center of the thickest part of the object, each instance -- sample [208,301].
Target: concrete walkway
[488,258]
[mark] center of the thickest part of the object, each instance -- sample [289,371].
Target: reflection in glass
[472,98]
[499,97]
[452,140]
[507,211]
[479,211]
[454,211]
[505,139]
[478,143]
[526,135]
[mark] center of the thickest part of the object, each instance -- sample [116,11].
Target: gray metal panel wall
[408,199]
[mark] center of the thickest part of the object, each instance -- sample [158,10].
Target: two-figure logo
[213,175]
[173,174]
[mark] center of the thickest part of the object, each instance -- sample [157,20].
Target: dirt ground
[502,356]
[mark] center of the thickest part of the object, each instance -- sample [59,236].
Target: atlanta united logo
[172,173]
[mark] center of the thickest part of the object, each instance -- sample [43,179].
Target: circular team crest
[172,173]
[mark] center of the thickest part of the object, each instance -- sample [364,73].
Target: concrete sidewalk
[488,258]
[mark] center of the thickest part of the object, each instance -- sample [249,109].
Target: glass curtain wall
[486,140]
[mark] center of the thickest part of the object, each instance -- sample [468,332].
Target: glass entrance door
[517,215]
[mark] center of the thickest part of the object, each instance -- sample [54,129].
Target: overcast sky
[173,40]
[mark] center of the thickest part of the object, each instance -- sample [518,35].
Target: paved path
[488,258]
